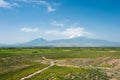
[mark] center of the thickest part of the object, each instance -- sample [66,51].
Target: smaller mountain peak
[80,37]
[39,39]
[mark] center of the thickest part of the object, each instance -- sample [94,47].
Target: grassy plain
[70,63]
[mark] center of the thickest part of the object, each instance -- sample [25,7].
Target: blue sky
[24,20]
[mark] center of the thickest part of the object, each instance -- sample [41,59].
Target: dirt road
[33,74]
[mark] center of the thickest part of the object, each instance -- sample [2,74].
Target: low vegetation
[70,73]
[19,73]
[70,63]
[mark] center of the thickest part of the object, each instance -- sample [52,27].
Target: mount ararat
[72,42]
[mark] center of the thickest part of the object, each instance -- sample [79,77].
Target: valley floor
[60,64]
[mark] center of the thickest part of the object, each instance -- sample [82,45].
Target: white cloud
[56,32]
[4,4]
[69,32]
[60,24]
[25,29]
[49,7]
[42,2]
[75,32]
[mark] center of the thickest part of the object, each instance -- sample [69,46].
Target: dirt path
[33,74]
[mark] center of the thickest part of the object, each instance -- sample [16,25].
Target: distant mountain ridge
[72,42]
[36,41]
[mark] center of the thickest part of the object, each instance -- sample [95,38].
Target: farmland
[69,63]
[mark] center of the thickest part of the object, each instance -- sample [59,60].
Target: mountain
[3,45]
[73,42]
[34,42]
[84,42]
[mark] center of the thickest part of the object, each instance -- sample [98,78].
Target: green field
[70,63]
[69,73]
